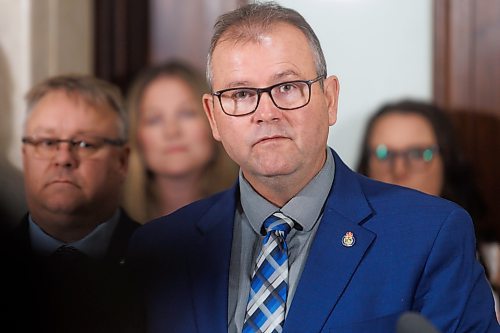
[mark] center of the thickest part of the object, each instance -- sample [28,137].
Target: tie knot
[67,252]
[278,222]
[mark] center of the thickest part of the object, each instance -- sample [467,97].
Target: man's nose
[267,110]
[65,155]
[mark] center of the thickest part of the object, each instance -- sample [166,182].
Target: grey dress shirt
[306,209]
[94,245]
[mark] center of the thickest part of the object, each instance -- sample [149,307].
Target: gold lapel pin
[348,240]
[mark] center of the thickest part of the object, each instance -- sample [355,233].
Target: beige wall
[38,38]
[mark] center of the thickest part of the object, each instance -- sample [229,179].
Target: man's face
[271,142]
[67,183]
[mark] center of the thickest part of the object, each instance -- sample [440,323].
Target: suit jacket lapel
[330,264]
[209,264]
[119,241]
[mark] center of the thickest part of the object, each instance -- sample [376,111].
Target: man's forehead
[69,102]
[255,33]
[234,62]
[58,111]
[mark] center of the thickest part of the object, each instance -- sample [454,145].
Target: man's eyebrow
[46,132]
[285,74]
[235,84]
[275,78]
[42,130]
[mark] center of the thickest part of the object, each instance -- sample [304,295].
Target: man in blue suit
[300,243]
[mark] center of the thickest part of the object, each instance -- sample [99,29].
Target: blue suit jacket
[412,252]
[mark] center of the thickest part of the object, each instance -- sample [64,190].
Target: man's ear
[208,106]
[331,91]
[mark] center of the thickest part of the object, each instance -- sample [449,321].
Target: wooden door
[130,35]
[467,84]
[121,40]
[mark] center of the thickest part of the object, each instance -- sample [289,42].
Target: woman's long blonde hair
[139,199]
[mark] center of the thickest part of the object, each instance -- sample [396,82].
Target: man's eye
[242,94]
[286,87]
[48,143]
[85,144]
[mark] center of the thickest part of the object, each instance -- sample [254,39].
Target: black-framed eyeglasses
[415,158]
[84,147]
[289,95]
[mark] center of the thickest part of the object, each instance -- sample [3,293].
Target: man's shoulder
[192,211]
[126,223]
[354,189]
[185,219]
[400,207]
[386,195]
[121,236]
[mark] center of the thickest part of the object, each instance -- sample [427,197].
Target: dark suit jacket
[412,252]
[82,295]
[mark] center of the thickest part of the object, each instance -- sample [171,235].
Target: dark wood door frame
[467,85]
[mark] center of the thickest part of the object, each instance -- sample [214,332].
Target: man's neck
[279,189]
[68,228]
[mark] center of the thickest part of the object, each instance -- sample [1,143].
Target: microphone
[413,322]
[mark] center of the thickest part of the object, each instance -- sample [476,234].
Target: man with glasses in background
[74,237]
[301,243]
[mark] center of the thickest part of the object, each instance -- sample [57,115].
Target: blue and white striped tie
[268,291]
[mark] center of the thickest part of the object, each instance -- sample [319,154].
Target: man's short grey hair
[249,22]
[93,91]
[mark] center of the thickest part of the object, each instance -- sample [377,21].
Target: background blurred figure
[412,144]
[174,158]
[12,199]
[75,235]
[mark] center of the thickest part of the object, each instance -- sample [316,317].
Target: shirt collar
[95,244]
[305,208]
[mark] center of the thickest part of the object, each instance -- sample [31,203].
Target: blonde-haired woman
[174,158]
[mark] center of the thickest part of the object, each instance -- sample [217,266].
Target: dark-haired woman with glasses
[412,144]
[402,148]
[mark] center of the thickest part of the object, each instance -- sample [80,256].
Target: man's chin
[61,186]
[66,205]
[273,172]
[276,168]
